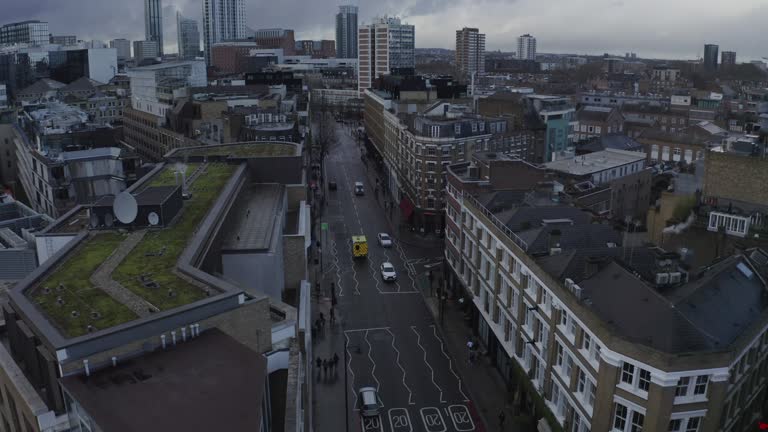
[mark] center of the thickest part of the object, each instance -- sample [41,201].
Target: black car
[332,185]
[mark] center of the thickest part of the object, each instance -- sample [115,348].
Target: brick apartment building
[598,336]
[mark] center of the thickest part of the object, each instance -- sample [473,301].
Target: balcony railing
[491,217]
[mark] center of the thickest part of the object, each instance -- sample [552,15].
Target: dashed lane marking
[397,360]
[450,362]
[418,342]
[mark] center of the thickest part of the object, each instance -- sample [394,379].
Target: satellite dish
[94,220]
[109,220]
[153,219]
[125,208]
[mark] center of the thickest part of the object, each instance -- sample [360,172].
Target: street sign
[324,226]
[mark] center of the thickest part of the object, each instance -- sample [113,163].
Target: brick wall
[739,178]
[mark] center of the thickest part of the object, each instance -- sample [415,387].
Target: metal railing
[494,220]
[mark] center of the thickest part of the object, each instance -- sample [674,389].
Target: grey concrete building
[153,23]
[162,309]
[346,32]
[188,38]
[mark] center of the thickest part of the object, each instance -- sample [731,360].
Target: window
[457,128]
[691,425]
[431,151]
[637,422]
[644,382]
[701,385]
[627,373]
[581,385]
[688,387]
[675,425]
[619,417]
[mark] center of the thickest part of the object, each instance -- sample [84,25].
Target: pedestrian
[335,361]
[502,417]
[325,367]
[470,344]
[322,320]
[319,363]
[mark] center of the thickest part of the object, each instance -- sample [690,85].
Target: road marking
[450,362]
[397,360]
[400,422]
[366,329]
[349,366]
[373,371]
[372,423]
[433,419]
[461,418]
[418,342]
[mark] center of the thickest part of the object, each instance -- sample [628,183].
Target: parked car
[359,189]
[369,401]
[332,185]
[384,240]
[388,273]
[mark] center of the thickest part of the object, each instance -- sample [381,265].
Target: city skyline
[647,34]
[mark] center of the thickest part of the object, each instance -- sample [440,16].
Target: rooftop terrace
[112,278]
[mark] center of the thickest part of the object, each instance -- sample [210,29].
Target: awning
[406,207]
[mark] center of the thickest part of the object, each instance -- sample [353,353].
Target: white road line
[349,366]
[450,362]
[338,268]
[365,329]
[418,342]
[370,357]
[397,360]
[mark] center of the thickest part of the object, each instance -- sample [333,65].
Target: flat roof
[211,382]
[595,162]
[114,277]
[253,221]
[247,149]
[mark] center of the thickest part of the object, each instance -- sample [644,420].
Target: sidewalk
[398,229]
[483,381]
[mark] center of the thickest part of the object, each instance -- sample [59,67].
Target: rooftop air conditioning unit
[675,278]
[662,278]
[568,283]
[577,291]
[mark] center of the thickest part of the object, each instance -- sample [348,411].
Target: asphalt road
[391,339]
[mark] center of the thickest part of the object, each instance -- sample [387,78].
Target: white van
[359,190]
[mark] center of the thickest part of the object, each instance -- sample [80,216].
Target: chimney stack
[87,369]
[592,266]
[162,340]
[554,241]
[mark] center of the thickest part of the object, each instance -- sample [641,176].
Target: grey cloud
[587,26]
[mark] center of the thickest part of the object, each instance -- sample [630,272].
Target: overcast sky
[651,28]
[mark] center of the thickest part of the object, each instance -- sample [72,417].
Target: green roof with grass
[69,290]
[254,149]
[166,177]
[69,287]
[145,258]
